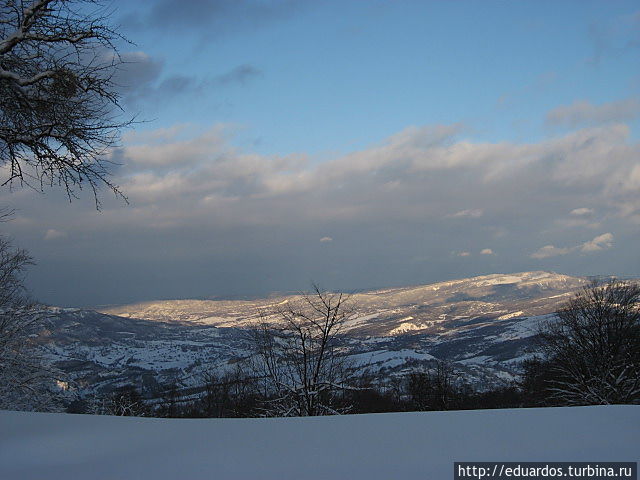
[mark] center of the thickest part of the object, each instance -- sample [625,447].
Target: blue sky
[337,76]
[356,144]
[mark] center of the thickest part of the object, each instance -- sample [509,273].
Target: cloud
[158,93]
[194,193]
[600,242]
[136,75]
[53,234]
[137,70]
[326,239]
[486,251]
[141,80]
[211,18]
[580,217]
[473,213]
[581,212]
[549,251]
[181,84]
[163,149]
[583,112]
[464,254]
[238,75]
[171,171]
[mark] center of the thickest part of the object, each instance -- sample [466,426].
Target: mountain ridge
[537,292]
[484,325]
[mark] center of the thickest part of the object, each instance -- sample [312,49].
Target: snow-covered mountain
[389,312]
[482,324]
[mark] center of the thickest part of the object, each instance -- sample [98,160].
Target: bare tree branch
[300,359]
[593,346]
[59,107]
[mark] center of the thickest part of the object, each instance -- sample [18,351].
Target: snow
[388,358]
[507,316]
[361,320]
[524,328]
[500,280]
[379,446]
[406,327]
[478,360]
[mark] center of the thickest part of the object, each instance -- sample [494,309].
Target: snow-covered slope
[102,352]
[380,446]
[483,324]
[425,308]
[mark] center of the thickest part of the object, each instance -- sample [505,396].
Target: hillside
[427,308]
[484,325]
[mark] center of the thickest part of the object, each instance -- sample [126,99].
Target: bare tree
[434,389]
[593,346]
[59,105]
[232,394]
[26,383]
[124,402]
[299,357]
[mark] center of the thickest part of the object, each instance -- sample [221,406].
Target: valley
[483,325]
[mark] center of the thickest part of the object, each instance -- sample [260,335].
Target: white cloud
[53,234]
[581,212]
[414,175]
[472,213]
[326,239]
[579,217]
[549,251]
[486,251]
[161,148]
[464,254]
[601,242]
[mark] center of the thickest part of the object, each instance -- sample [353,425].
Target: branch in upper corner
[60,113]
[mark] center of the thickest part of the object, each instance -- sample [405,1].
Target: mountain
[426,308]
[484,325]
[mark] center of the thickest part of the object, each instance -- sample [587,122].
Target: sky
[356,144]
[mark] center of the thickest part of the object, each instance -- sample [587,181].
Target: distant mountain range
[484,325]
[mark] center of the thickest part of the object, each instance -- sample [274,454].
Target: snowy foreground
[379,446]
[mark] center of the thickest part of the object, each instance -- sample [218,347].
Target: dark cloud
[210,18]
[137,70]
[206,217]
[581,113]
[136,74]
[141,82]
[238,75]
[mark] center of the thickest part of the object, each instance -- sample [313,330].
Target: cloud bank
[418,174]
[207,216]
